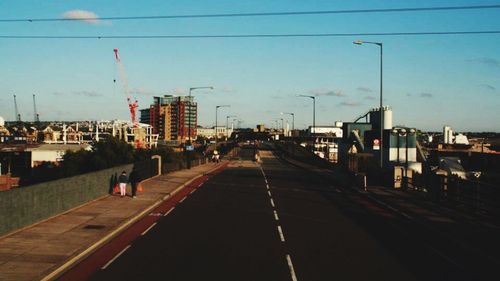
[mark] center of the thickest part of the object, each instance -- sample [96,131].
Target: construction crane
[18,115]
[36,116]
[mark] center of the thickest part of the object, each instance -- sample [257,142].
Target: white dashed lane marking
[280,231]
[290,265]
[272,203]
[113,259]
[282,237]
[166,214]
[276,216]
[146,231]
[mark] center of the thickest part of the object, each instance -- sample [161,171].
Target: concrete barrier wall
[24,206]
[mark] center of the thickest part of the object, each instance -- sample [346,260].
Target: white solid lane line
[113,259]
[281,234]
[146,231]
[166,214]
[290,265]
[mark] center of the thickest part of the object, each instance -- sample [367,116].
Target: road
[276,221]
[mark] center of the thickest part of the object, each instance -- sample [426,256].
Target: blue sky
[429,81]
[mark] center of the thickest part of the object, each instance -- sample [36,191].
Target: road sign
[376,144]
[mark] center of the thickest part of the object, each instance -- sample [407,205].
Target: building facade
[172,117]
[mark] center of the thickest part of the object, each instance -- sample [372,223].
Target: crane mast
[18,115]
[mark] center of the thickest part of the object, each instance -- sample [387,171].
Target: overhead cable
[262,14]
[249,35]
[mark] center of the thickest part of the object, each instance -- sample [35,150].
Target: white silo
[447,135]
[375,117]
[387,118]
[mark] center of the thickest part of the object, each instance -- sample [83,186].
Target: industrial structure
[361,140]
[18,115]
[35,112]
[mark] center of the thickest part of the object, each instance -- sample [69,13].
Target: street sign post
[376,144]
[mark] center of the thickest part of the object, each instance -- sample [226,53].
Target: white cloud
[330,93]
[82,15]
[179,92]
[352,104]
[492,62]
[87,93]
[365,89]
[143,92]
[488,87]
[227,89]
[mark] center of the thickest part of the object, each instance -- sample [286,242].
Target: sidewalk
[42,250]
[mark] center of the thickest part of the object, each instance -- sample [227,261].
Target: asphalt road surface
[276,221]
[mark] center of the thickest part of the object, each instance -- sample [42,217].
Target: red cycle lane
[103,256]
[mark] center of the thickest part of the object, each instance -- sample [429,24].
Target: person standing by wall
[122,180]
[133,178]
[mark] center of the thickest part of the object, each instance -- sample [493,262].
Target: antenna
[18,116]
[36,116]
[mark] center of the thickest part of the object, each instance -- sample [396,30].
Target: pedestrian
[133,178]
[122,180]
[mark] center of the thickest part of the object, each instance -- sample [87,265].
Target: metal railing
[455,191]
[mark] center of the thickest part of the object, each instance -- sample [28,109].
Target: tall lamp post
[360,42]
[216,112]
[190,107]
[227,124]
[293,118]
[314,111]
[188,149]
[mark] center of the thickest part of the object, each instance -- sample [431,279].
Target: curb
[87,252]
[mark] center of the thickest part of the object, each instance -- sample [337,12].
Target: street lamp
[234,120]
[190,107]
[360,42]
[188,149]
[314,111]
[293,118]
[216,110]
[227,123]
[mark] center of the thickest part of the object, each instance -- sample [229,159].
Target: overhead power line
[250,35]
[264,14]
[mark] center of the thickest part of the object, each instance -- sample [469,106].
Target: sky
[429,81]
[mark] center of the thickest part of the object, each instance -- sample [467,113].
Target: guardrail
[454,191]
